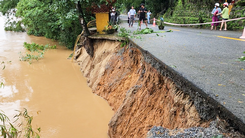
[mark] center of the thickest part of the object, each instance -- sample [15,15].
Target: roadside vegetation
[242,58]
[199,11]
[123,32]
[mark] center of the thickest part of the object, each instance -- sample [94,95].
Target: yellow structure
[230,8]
[102,20]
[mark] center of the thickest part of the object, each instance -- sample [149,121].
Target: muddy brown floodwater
[52,89]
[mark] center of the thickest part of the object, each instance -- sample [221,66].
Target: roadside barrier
[235,19]
[243,34]
[175,24]
[203,23]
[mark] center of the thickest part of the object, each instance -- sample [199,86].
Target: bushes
[187,12]
[190,13]
[236,12]
[240,3]
[53,19]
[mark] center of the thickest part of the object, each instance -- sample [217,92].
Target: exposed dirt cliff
[140,96]
[144,93]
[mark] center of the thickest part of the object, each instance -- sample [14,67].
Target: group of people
[217,13]
[142,12]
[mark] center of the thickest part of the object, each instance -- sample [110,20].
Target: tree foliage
[54,19]
[50,18]
[7,5]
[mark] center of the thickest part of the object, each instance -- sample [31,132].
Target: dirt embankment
[138,91]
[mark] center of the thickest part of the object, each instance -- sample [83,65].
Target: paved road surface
[207,58]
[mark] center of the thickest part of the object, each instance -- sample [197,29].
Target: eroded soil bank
[143,92]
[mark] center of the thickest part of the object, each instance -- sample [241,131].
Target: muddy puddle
[52,89]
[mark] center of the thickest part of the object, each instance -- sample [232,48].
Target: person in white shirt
[113,16]
[132,14]
[128,16]
[148,16]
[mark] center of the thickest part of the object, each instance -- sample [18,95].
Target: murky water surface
[52,89]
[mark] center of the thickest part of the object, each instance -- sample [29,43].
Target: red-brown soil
[139,95]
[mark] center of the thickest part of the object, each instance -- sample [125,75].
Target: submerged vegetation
[1,85]
[17,129]
[35,51]
[14,26]
[35,47]
[3,64]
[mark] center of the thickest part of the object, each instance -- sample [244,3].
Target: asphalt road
[207,58]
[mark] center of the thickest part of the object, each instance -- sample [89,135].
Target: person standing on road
[148,16]
[225,16]
[113,16]
[128,17]
[215,17]
[142,11]
[132,14]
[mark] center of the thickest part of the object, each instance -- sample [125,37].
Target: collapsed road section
[145,93]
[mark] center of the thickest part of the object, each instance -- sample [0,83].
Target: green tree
[7,5]
[61,20]
[53,19]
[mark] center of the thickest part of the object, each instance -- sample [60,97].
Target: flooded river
[52,89]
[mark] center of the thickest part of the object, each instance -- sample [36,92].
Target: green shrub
[188,12]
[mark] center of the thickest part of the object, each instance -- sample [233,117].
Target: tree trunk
[86,42]
[81,18]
